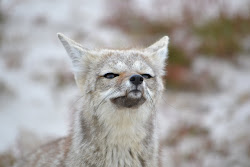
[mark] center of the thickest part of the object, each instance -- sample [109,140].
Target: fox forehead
[125,61]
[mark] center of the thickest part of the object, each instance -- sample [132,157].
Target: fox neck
[127,133]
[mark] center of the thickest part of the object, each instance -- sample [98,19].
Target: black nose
[136,79]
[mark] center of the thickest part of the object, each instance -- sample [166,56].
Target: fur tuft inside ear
[160,47]
[162,54]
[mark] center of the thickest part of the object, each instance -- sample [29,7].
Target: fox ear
[160,48]
[80,58]
[159,51]
[74,50]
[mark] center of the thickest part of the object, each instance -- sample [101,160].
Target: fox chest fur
[119,143]
[115,125]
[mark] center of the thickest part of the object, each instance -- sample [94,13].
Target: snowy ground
[37,90]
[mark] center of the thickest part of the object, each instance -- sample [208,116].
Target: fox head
[124,79]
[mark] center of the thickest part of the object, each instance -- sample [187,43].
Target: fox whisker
[168,104]
[152,105]
[107,96]
[75,102]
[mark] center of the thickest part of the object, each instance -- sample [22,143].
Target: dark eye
[110,75]
[146,76]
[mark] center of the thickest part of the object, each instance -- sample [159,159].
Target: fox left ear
[159,51]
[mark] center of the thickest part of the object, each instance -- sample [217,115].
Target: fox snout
[137,90]
[134,94]
[136,79]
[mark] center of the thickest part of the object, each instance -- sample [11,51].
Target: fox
[116,124]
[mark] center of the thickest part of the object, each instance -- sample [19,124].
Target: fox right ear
[80,57]
[74,50]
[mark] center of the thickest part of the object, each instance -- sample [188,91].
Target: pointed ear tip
[61,36]
[166,38]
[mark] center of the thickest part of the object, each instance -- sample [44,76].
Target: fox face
[125,79]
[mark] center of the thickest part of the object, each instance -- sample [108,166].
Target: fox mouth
[132,99]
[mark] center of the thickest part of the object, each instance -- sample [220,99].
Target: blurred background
[204,119]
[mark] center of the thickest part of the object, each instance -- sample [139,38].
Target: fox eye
[146,76]
[110,75]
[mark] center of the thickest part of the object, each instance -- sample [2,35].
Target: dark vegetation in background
[7,159]
[219,37]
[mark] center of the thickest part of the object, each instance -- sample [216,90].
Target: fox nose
[136,79]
